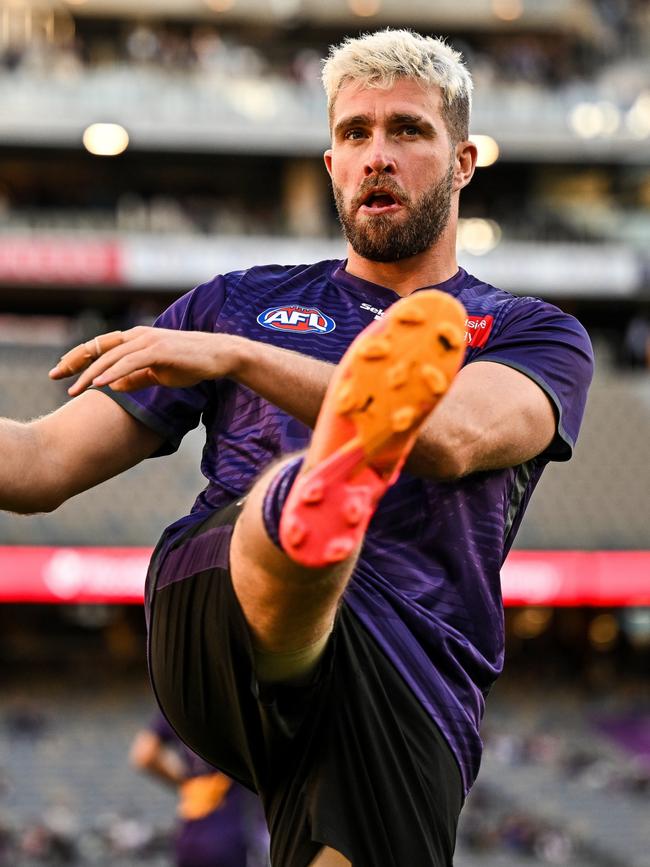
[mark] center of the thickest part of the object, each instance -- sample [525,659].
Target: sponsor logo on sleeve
[291,317]
[477,330]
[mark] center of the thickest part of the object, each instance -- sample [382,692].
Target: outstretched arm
[493,416]
[86,441]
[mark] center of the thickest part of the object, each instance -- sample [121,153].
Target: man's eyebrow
[353,120]
[394,120]
[415,119]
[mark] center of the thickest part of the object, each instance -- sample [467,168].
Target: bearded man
[324,626]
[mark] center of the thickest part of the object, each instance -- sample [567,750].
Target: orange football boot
[389,380]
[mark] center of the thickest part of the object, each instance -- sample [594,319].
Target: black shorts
[349,759]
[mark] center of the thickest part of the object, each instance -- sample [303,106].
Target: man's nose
[379,159]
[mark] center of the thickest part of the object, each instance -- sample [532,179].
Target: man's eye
[354,134]
[410,130]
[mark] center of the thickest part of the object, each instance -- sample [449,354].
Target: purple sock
[276,495]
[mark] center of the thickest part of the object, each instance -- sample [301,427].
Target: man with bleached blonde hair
[324,628]
[380,59]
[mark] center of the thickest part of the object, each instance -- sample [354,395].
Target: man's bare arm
[158,356]
[86,441]
[493,416]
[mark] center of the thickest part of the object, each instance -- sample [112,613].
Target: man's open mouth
[379,200]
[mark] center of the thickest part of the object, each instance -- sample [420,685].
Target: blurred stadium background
[222,107]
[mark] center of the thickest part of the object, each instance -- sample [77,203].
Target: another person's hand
[202,795]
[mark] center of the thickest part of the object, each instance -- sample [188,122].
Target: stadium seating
[551,788]
[599,500]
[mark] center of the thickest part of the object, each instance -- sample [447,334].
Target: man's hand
[145,356]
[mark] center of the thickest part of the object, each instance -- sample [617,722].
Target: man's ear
[465,163]
[327,156]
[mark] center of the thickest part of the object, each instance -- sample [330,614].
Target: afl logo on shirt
[291,317]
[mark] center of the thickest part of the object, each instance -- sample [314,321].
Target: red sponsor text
[477,330]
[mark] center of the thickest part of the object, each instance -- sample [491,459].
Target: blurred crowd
[543,59]
[583,203]
[57,835]
[585,765]
[56,838]
[61,828]
[497,820]
[201,49]
[493,821]
[489,825]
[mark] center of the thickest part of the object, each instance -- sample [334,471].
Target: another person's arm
[158,751]
[150,753]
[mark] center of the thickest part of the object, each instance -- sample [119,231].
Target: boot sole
[386,385]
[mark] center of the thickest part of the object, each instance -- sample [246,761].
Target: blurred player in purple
[220,823]
[325,628]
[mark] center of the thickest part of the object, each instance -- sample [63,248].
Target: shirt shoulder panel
[546,344]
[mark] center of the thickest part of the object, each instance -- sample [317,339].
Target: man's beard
[386,239]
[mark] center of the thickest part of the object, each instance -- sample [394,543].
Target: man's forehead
[405,96]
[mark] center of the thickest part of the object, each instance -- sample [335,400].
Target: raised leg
[387,383]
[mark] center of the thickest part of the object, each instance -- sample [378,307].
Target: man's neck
[429,268]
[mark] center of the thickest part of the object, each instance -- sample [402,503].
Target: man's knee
[293,665]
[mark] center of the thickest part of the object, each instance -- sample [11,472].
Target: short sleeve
[161,728]
[554,350]
[172,412]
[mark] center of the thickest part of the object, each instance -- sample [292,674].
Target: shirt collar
[366,289]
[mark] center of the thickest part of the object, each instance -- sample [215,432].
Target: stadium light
[257,101]
[635,623]
[586,120]
[603,631]
[488,150]
[364,8]
[638,117]
[219,5]
[611,116]
[478,236]
[531,622]
[285,8]
[508,10]
[592,119]
[105,139]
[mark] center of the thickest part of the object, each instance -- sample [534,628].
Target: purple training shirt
[427,583]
